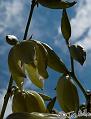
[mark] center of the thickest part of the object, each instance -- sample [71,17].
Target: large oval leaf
[78,53]
[67,94]
[34,75]
[15,64]
[33,115]
[54,61]
[56,4]
[21,115]
[65,25]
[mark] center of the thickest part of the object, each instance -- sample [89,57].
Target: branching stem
[73,73]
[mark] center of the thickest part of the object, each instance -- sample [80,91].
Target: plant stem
[29,19]
[88,101]
[79,84]
[6,98]
[8,93]
[73,73]
[71,59]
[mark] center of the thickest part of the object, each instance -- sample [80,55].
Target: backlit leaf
[65,25]
[33,115]
[54,61]
[34,75]
[14,64]
[56,4]
[67,94]
[78,53]
[19,115]
[26,52]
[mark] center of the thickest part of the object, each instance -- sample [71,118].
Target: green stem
[29,19]
[79,84]
[72,64]
[7,95]
[6,98]
[73,73]
[88,101]
[71,59]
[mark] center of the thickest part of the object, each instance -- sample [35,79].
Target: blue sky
[45,26]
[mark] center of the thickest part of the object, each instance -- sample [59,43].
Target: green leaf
[78,53]
[26,52]
[41,57]
[36,115]
[65,25]
[20,115]
[51,104]
[11,40]
[67,94]
[56,4]
[45,97]
[54,61]
[34,75]
[15,64]
[32,99]
[33,115]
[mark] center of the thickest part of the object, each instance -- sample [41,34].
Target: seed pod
[34,102]
[11,39]
[67,94]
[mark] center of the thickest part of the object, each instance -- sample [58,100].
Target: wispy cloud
[10,14]
[81,24]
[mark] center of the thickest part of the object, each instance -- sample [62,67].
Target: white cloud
[82,21]
[86,42]
[10,13]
